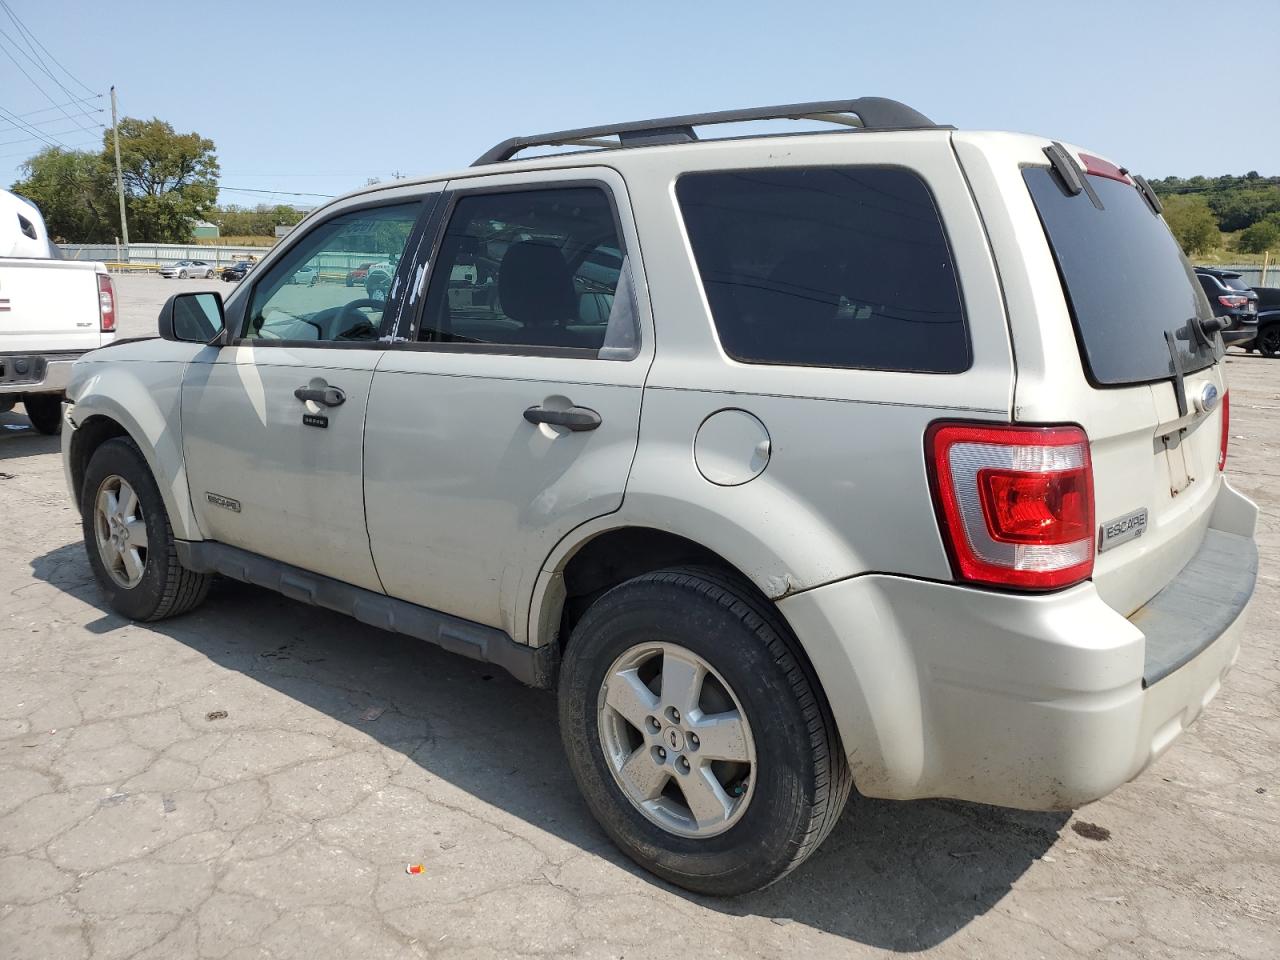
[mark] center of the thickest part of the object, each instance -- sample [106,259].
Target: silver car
[188,268]
[889,457]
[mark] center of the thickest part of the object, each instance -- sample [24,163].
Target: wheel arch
[117,404]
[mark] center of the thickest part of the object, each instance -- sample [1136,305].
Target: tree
[170,179]
[170,182]
[1263,235]
[260,221]
[1192,223]
[74,191]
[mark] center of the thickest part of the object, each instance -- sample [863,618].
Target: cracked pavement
[211,786]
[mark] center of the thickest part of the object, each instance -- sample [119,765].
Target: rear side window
[1125,278]
[828,267]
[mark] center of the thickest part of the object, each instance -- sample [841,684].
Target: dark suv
[1267,341]
[1232,298]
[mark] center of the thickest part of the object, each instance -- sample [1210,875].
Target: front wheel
[182,274]
[45,412]
[130,540]
[209,275]
[699,739]
[1268,342]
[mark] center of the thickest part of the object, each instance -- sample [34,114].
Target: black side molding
[535,666]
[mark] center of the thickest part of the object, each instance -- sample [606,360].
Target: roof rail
[871,113]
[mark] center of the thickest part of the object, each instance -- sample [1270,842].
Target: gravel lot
[251,781]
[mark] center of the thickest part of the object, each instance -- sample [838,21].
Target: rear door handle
[575,418]
[325,396]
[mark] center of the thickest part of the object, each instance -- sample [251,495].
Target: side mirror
[192,317]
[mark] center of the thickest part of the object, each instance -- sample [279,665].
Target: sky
[316,97]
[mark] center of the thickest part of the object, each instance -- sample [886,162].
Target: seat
[535,288]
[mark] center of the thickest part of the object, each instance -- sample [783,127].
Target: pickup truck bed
[51,312]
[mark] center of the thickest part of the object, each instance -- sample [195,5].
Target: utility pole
[115,134]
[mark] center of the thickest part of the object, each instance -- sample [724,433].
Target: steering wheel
[360,327]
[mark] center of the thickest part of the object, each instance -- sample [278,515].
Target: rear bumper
[48,373]
[1038,702]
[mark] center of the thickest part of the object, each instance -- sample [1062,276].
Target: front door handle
[325,396]
[574,418]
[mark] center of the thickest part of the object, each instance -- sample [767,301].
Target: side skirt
[534,666]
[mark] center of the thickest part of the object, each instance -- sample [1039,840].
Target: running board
[534,666]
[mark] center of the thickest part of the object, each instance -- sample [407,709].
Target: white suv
[890,456]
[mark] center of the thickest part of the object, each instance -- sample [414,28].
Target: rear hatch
[49,306]
[1144,380]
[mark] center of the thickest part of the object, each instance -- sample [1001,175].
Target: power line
[23,125]
[35,83]
[52,133]
[281,193]
[29,153]
[78,100]
[22,27]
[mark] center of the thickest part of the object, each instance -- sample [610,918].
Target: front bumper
[49,373]
[1033,701]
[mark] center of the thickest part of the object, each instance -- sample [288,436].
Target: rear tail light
[1015,504]
[106,303]
[1233,302]
[1226,428]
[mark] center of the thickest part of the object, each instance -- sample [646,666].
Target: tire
[182,274]
[45,412]
[1268,341]
[753,665]
[209,275]
[349,282]
[165,588]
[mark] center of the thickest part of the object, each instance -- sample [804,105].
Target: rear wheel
[1268,342]
[208,275]
[696,734]
[130,540]
[45,412]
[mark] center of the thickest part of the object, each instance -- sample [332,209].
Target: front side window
[318,291]
[827,267]
[540,268]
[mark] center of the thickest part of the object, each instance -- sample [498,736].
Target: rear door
[511,413]
[48,306]
[1107,322]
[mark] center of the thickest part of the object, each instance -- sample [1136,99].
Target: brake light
[1228,300]
[1015,504]
[1104,168]
[106,303]
[1226,430]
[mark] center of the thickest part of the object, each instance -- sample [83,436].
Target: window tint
[313,293]
[827,266]
[1235,283]
[1126,280]
[535,268]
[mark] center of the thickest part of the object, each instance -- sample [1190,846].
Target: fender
[144,399]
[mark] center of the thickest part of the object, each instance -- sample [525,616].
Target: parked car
[237,270]
[358,274]
[52,311]
[1267,342]
[1231,297]
[853,482]
[306,276]
[187,268]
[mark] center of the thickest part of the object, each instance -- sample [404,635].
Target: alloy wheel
[121,531]
[677,740]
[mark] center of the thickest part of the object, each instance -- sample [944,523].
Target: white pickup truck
[51,312]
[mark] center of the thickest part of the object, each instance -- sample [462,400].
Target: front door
[273,424]
[512,415]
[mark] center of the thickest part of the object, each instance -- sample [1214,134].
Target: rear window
[826,266]
[1125,279]
[1235,283]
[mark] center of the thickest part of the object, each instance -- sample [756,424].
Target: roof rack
[868,113]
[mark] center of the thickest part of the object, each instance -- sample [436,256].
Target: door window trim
[451,197]
[426,208]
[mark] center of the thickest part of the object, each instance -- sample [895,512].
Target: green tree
[1192,223]
[75,193]
[1263,235]
[170,178]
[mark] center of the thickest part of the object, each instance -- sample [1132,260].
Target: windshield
[1125,279]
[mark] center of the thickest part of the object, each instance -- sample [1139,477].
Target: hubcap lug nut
[673,714]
